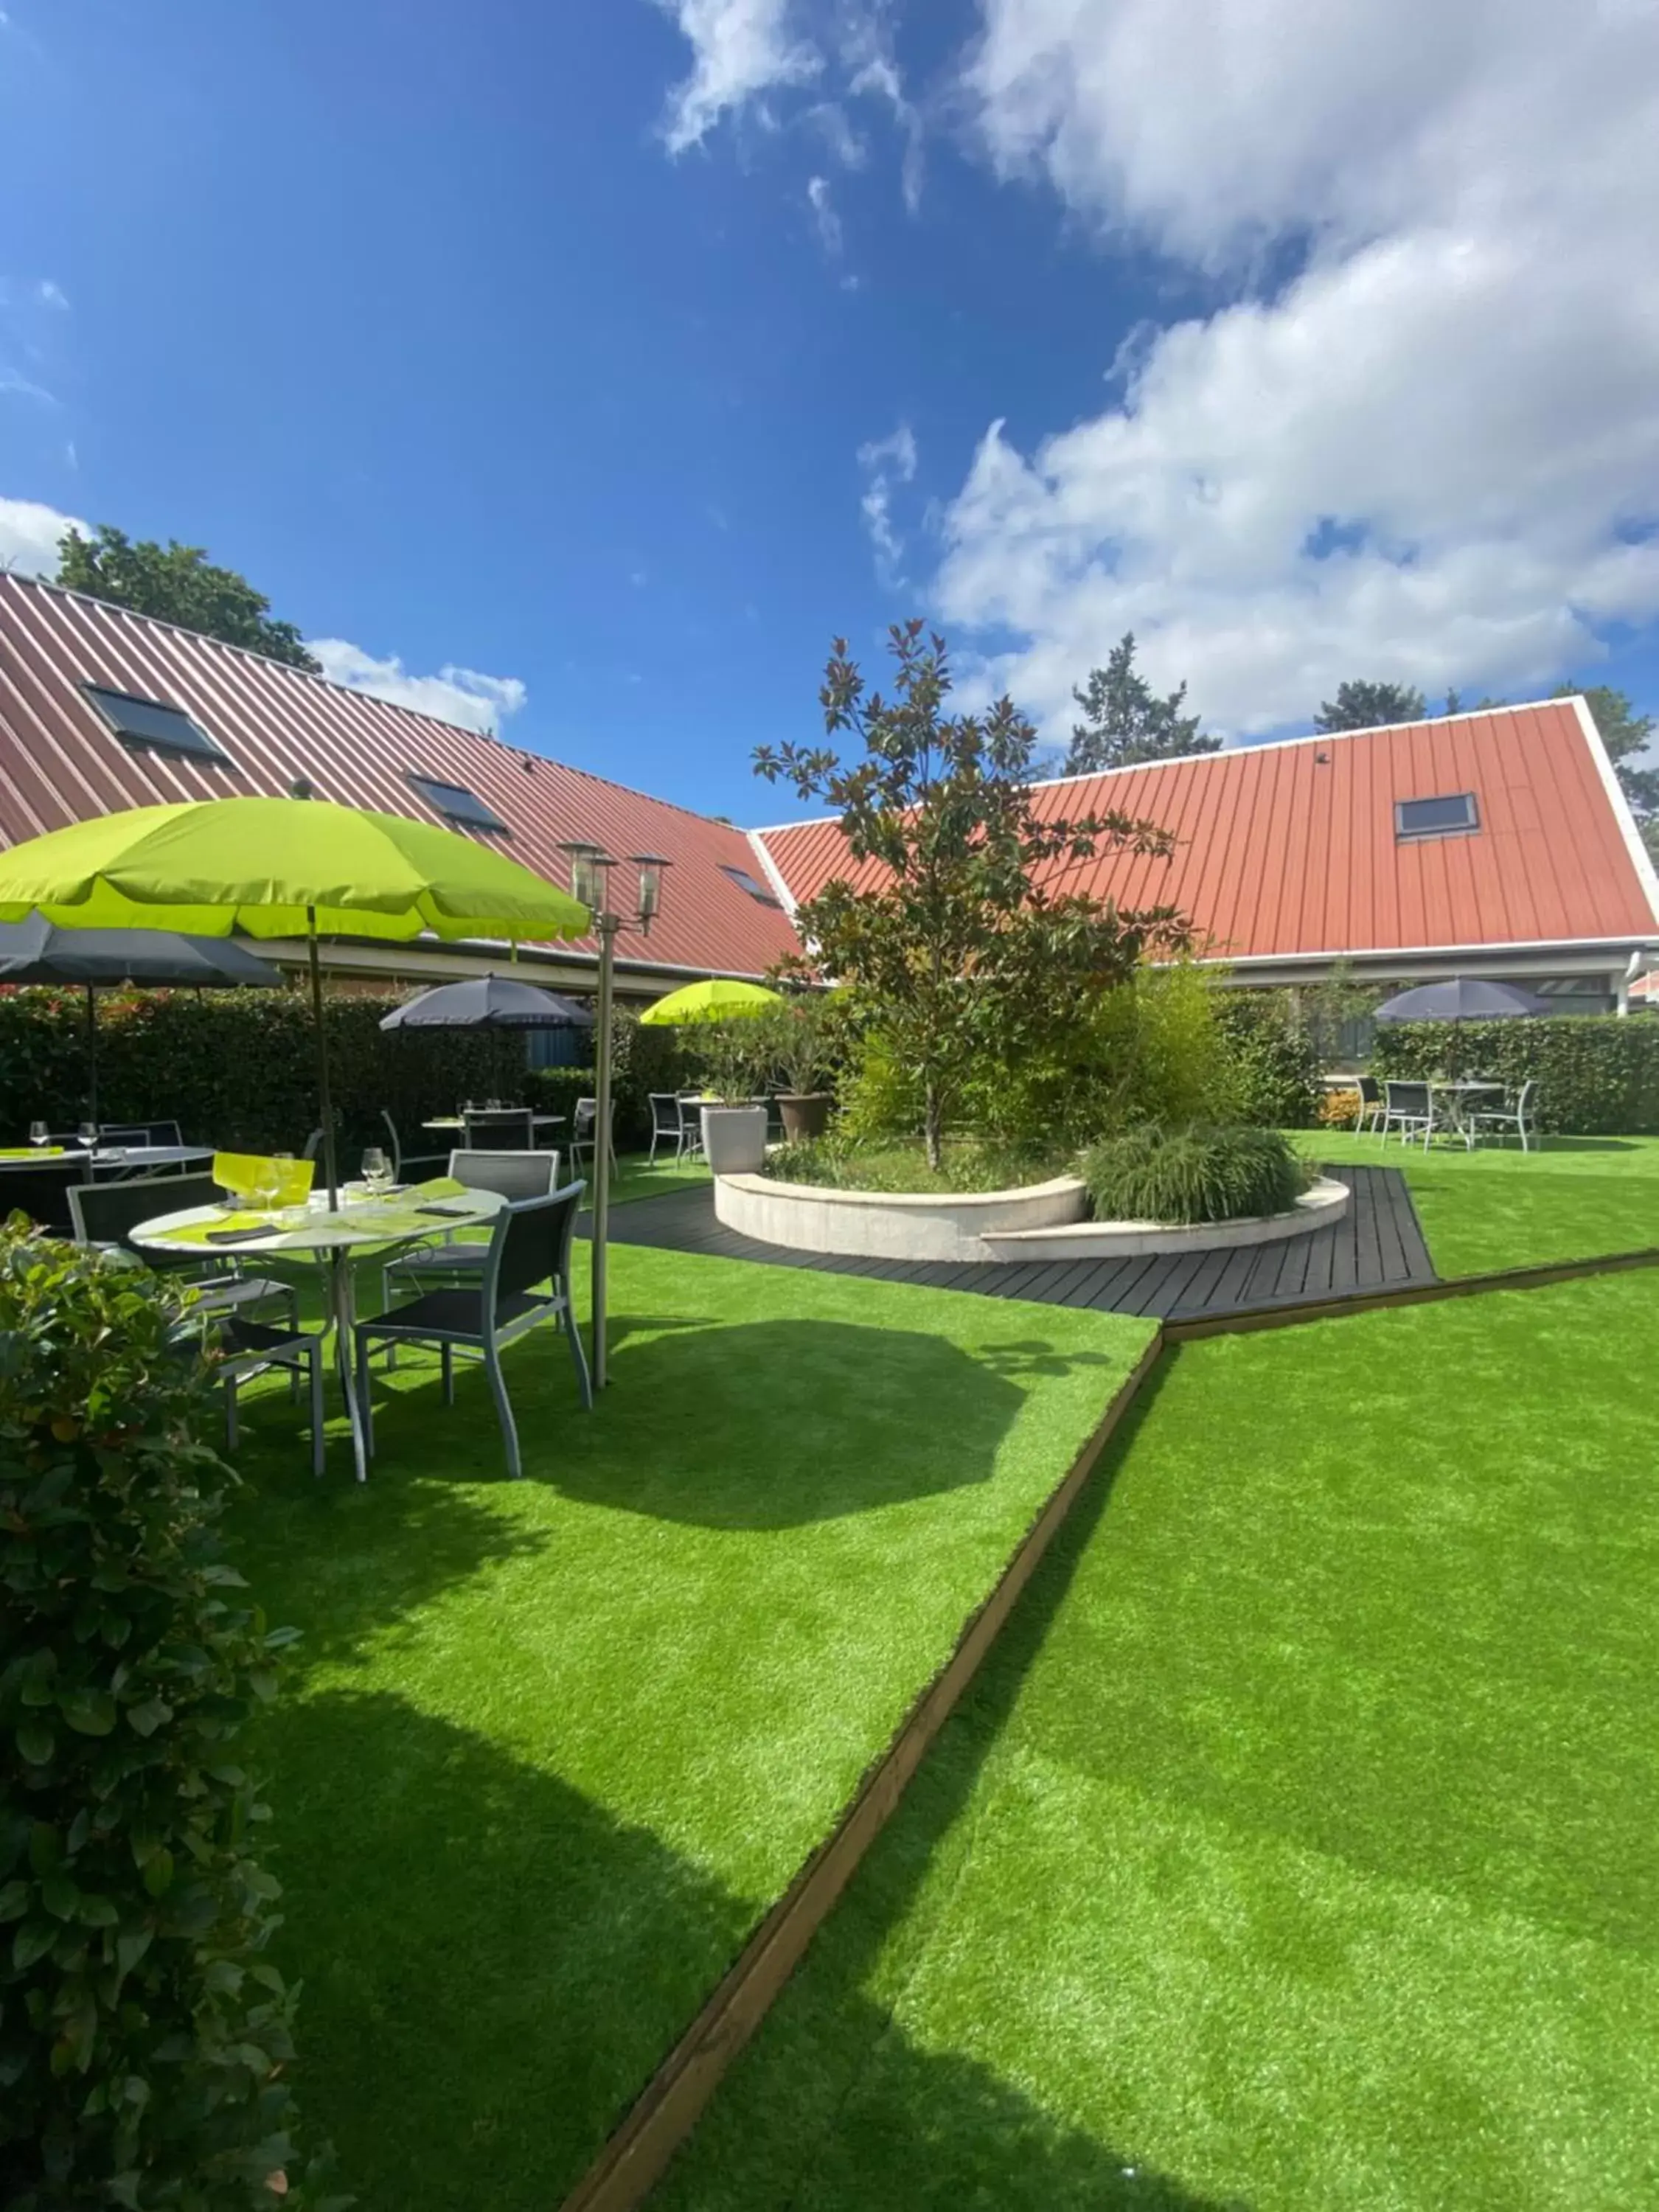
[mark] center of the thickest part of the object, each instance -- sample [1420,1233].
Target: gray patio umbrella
[36,951]
[489,1002]
[1460,999]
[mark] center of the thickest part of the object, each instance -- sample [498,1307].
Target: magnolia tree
[960,936]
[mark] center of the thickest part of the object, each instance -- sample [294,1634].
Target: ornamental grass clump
[1194,1174]
[144,2036]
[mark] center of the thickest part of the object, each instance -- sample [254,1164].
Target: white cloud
[886,462]
[29,535]
[829,117]
[741,49]
[828,222]
[453,694]
[867,53]
[49,294]
[1434,455]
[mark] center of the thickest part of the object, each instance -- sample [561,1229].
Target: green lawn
[1295,1851]
[554,1746]
[1578,1198]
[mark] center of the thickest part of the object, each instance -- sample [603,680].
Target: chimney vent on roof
[301,788]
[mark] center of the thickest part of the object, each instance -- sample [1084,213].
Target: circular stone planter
[1327,1201]
[878,1225]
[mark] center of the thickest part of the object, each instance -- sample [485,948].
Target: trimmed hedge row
[1273,1076]
[237,1068]
[1597,1074]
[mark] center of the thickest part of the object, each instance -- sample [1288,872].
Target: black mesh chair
[42,1192]
[529,1246]
[499,1128]
[104,1215]
[512,1175]
[408,1167]
[140,1133]
[583,1126]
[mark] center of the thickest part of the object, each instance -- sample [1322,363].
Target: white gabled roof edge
[773,873]
[1625,944]
[1641,859]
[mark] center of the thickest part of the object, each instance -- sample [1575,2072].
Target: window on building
[1436,818]
[745,881]
[151,726]
[459,804]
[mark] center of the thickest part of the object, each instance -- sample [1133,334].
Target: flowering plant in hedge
[144,2036]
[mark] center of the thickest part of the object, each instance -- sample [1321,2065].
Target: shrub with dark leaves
[144,2036]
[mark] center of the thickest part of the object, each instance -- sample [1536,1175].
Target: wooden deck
[1379,1246]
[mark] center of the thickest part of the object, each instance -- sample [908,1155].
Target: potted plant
[734,1059]
[798,1045]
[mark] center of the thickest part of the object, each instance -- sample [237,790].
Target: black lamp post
[590,884]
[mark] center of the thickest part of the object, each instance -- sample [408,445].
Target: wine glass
[376,1172]
[264,1186]
[88,1133]
[39,1133]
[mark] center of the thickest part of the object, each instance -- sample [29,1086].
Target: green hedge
[144,2038]
[238,1069]
[643,1060]
[1597,1074]
[1273,1077]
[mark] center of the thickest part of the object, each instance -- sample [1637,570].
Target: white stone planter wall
[1043,1222]
[876,1224]
[1326,1202]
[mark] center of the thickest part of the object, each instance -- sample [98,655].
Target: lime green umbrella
[709,1002]
[280,867]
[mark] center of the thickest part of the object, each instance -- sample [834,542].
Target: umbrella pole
[322,1062]
[607,925]
[92,1057]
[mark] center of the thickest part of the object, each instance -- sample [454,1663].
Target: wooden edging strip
[670,2105]
[1407,1294]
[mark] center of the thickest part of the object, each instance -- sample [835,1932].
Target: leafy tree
[957,948]
[1362,706]
[177,583]
[1125,722]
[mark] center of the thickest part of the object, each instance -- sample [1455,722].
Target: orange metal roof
[1290,848]
[59,763]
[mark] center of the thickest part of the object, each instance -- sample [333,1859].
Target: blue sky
[619,355]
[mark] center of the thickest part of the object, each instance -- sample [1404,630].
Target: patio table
[1458,1097]
[107,1159]
[446,1124]
[362,1225]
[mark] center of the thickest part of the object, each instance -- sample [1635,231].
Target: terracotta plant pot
[805,1112]
[734,1139]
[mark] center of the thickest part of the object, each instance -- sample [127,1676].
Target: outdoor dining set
[206,1216]
[1462,1108]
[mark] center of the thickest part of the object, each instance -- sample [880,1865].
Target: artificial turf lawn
[554,1746]
[1576,1199]
[1295,1847]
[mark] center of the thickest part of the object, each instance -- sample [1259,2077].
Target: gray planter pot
[734,1139]
[805,1112]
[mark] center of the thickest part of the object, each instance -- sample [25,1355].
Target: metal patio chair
[668,1125]
[413,1166]
[499,1128]
[529,1246]
[1408,1108]
[103,1215]
[1516,1113]
[583,1125]
[1370,1103]
[512,1175]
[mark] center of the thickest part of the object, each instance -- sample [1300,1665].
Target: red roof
[60,764]
[1292,848]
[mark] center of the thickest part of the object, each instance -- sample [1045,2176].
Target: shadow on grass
[755,1424]
[493,1966]
[834,2107]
